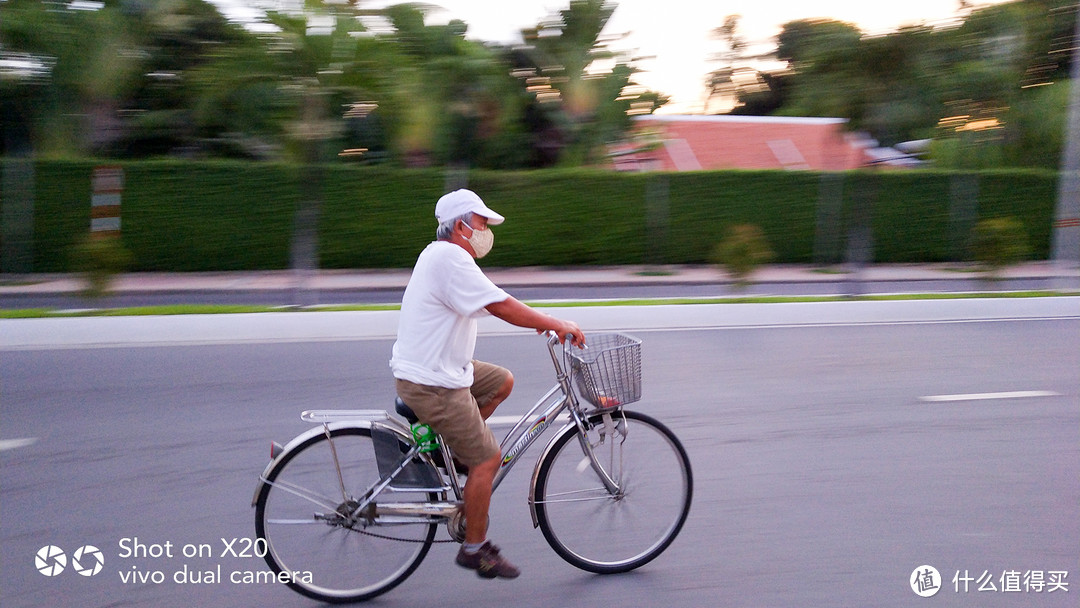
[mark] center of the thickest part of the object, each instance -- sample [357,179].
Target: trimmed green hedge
[197,216]
[201,216]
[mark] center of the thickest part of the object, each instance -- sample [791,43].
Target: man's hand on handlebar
[567,329]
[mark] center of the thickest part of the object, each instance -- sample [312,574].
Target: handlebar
[554,337]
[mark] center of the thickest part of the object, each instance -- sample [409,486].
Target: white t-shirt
[437,327]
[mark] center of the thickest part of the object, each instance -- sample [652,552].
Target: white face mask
[481,241]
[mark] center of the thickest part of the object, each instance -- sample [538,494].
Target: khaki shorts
[454,413]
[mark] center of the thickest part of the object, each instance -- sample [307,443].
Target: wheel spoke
[576,496]
[298,522]
[313,497]
[309,529]
[620,530]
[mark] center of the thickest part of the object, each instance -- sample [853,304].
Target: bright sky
[676,33]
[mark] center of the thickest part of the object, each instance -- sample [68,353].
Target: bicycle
[347,510]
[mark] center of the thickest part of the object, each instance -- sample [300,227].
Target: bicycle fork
[610,434]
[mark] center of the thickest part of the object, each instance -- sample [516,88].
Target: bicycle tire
[604,533]
[345,564]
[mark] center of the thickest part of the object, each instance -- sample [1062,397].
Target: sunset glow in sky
[676,33]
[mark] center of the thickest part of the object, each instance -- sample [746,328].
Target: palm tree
[596,104]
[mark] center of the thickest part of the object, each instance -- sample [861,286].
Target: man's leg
[500,395]
[456,414]
[491,386]
[477,553]
[477,495]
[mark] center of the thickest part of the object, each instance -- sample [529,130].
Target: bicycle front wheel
[300,514]
[607,531]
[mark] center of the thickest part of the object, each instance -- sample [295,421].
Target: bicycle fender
[389,424]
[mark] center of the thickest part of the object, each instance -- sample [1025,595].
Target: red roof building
[695,143]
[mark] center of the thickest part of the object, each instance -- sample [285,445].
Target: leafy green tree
[175,37]
[463,107]
[137,78]
[77,65]
[114,79]
[593,105]
[1008,90]
[987,89]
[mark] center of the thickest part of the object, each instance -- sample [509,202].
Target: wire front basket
[608,370]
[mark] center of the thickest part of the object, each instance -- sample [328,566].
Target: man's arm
[514,312]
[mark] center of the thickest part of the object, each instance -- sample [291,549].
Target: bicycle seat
[405,411]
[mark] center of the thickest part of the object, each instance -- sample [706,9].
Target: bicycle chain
[404,540]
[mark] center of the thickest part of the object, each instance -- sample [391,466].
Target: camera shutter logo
[925,581]
[87,560]
[50,560]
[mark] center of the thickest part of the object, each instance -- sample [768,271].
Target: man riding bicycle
[433,363]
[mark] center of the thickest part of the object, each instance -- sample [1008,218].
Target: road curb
[344,326]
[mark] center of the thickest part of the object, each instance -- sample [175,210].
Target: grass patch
[25,313]
[805,299]
[212,309]
[830,271]
[656,273]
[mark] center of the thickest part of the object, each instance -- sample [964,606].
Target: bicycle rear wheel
[607,532]
[298,513]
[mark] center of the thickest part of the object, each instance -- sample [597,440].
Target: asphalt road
[836,447]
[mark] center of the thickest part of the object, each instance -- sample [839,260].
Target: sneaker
[487,562]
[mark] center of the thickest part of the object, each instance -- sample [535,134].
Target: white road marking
[987,396]
[11,444]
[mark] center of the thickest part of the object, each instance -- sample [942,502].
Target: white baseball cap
[460,202]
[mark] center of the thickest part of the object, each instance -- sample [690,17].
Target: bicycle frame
[544,413]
